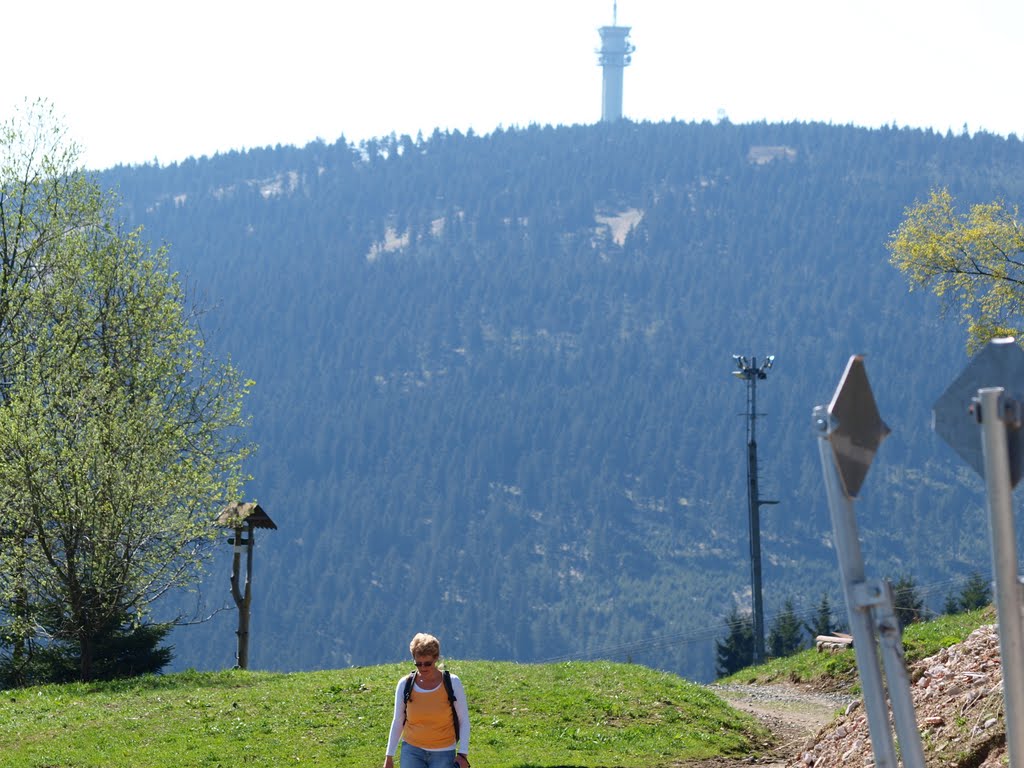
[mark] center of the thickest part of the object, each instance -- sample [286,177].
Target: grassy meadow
[523,716]
[572,714]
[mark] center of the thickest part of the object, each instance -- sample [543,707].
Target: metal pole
[1004,564]
[903,715]
[851,568]
[754,520]
[751,372]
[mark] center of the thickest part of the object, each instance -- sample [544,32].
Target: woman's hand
[462,761]
[389,762]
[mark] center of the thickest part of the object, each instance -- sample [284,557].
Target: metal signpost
[850,430]
[990,393]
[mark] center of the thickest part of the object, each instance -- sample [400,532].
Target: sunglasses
[424,664]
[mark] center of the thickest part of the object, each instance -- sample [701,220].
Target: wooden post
[242,599]
[243,520]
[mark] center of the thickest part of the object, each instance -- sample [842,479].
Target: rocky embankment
[958,700]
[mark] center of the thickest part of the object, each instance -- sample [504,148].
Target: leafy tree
[42,197]
[975,260]
[786,635]
[736,650]
[907,602]
[119,436]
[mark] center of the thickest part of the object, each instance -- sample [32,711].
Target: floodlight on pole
[751,372]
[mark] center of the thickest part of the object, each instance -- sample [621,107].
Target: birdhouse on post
[243,520]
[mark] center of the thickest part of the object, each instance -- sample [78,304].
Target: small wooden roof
[239,515]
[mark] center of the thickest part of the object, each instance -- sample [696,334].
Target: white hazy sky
[143,80]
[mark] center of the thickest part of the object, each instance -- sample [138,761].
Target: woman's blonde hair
[425,645]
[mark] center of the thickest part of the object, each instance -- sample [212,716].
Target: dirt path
[791,714]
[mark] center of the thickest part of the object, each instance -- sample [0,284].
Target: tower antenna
[615,13]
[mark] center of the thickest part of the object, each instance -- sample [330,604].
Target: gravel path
[792,714]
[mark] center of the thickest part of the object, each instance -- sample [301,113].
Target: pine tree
[976,593]
[822,623]
[786,635]
[951,604]
[736,651]
[907,603]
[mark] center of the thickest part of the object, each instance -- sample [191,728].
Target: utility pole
[751,372]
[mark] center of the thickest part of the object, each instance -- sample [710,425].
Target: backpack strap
[451,701]
[410,679]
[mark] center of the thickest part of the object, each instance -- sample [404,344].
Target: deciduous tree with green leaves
[974,260]
[120,437]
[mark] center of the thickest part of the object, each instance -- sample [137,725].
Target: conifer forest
[493,380]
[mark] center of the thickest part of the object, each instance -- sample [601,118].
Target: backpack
[446,676]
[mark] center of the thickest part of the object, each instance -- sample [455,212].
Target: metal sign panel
[859,427]
[999,364]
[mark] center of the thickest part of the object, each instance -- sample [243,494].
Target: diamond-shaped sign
[999,364]
[859,427]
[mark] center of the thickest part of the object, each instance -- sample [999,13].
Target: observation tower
[614,55]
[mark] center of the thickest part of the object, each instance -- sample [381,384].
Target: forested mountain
[493,378]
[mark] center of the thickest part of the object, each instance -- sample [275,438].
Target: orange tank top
[428,720]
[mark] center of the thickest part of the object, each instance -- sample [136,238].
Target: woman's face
[425,663]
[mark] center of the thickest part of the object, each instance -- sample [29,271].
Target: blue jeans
[414,757]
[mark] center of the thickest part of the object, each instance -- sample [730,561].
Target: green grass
[838,671]
[584,714]
[523,716]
